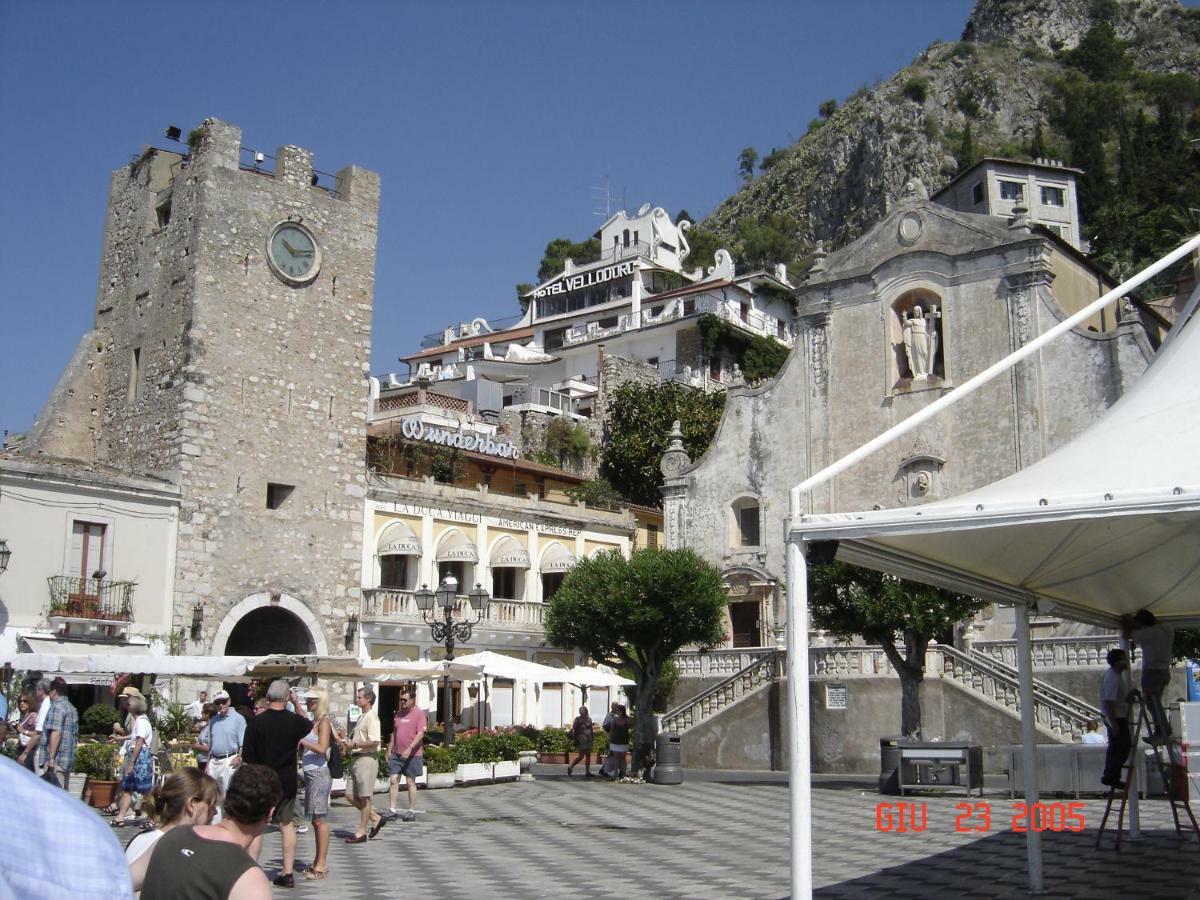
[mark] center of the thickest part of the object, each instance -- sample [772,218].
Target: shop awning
[508,554]
[455,546]
[557,558]
[398,539]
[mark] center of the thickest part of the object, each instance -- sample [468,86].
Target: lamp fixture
[446,631]
[197,620]
[5,555]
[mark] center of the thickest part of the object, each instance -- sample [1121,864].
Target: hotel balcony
[90,607]
[392,605]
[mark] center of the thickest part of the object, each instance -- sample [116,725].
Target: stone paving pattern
[711,837]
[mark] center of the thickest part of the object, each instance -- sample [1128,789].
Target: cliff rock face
[842,175]
[1162,33]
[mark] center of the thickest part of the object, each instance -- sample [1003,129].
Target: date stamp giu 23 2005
[912,817]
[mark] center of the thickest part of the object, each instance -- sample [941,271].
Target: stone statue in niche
[919,476]
[921,341]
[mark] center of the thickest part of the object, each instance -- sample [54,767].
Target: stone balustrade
[395,605]
[1055,652]
[762,668]
[717,663]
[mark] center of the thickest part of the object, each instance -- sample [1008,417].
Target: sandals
[315,874]
[111,810]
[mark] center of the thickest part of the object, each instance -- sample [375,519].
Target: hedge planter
[469,773]
[441,780]
[507,770]
[560,759]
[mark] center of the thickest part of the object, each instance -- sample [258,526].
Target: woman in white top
[188,797]
[137,771]
[314,766]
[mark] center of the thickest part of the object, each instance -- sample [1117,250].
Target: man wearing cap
[226,731]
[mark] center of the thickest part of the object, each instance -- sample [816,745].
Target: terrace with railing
[72,597]
[400,606]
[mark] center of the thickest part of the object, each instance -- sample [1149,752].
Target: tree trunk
[910,702]
[645,726]
[911,669]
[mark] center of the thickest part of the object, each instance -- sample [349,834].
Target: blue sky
[491,124]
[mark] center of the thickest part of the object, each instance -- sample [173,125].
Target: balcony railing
[395,605]
[91,598]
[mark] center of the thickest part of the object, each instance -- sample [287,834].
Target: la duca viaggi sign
[416,430]
[586,279]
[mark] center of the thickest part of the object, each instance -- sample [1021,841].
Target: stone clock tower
[229,353]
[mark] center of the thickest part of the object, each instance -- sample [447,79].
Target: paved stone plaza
[722,835]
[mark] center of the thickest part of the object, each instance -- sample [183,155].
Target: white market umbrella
[497,665]
[590,676]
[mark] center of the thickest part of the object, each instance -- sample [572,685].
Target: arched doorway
[263,631]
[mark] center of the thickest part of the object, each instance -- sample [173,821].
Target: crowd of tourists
[198,833]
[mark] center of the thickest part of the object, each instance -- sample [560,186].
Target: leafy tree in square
[640,611]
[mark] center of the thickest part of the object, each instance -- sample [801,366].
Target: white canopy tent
[497,665]
[590,676]
[1101,527]
[239,668]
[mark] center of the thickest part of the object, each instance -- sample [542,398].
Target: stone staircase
[1058,715]
[758,669]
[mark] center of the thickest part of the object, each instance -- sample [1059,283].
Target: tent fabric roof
[498,665]
[1105,525]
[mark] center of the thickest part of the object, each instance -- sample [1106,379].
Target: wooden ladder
[1172,771]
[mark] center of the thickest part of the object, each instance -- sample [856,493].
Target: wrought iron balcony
[395,605]
[72,597]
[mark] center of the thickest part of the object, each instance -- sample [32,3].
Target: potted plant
[98,763]
[510,747]
[98,719]
[476,756]
[554,746]
[441,764]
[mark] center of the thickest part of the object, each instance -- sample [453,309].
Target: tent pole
[1033,838]
[799,768]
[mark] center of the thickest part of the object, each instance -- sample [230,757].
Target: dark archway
[264,631]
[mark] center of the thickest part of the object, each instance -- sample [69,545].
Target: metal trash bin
[889,765]
[668,755]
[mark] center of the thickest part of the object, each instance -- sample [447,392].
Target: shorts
[412,766]
[317,784]
[360,777]
[285,811]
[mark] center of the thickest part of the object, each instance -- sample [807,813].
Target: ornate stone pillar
[675,462]
[815,330]
[1024,326]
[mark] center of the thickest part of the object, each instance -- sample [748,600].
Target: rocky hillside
[1000,84]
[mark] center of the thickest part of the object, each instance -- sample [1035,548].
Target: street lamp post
[446,630]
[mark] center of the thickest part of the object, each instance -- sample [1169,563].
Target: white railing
[1056,652]
[841,662]
[717,663]
[745,681]
[394,605]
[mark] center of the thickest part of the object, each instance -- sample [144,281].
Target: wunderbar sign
[416,430]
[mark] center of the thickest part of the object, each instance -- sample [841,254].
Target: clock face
[294,253]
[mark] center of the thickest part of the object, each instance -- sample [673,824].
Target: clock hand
[290,248]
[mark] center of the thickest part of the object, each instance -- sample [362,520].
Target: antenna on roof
[602,197]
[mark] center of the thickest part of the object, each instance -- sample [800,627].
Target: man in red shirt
[406,757]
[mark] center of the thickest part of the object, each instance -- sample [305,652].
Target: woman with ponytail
[188,797]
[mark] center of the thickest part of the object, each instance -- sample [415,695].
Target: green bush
[98,719]
[478,748]
[600,741]
[916,89]
[553,740]
[174,723]
[510,746]
[439,760]
[97,761]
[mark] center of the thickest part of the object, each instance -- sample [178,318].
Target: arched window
[746,530]
[509,562]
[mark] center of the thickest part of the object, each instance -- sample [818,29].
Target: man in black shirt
[271,740]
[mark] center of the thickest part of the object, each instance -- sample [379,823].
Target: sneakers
[302,829]
[288,881]
[392,812]
[408,816]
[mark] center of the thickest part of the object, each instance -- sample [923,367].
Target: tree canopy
[849,601]
[636,433]
[639,611]
[559,250]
